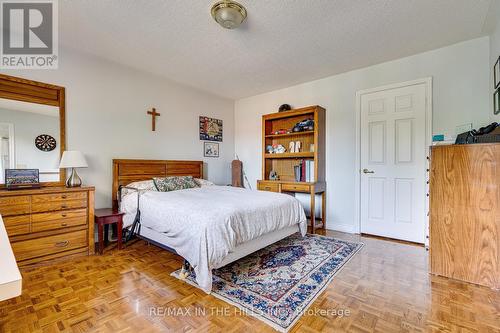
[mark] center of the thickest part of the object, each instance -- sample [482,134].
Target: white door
[393,162]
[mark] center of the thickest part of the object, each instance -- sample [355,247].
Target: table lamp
[73,159]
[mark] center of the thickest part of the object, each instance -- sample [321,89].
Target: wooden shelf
[290,155]
[288,134]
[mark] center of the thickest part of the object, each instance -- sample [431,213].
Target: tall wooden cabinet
[465,213]
[312,149]
[48,223]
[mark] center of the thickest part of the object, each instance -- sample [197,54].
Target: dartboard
[45,142]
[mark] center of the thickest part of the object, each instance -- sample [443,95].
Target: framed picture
[496,101]
[210,149]
[496,73]
[21,178]
[210,129]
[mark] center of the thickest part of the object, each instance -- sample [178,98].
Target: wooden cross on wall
[153,114]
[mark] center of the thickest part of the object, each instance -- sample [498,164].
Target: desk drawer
[272,187]
[58,220]
[49,245]
[15,205]
[17,225]
[48,206]
[296,188]
[42,198]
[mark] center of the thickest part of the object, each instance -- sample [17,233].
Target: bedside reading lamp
[73,159]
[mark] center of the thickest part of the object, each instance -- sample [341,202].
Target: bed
[209,226]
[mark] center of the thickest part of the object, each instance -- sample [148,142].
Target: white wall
[461,95]
[106,118]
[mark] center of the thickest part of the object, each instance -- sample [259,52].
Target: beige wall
[106,118]
[461,95]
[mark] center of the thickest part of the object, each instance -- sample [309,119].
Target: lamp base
[74,180]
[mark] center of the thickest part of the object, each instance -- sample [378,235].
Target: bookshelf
[277,130]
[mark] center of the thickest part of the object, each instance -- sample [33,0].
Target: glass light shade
[229,14]
[73,159]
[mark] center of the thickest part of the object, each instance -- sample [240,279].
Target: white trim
[428,140]
[343,227]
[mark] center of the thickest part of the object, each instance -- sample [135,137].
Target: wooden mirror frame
[30,91]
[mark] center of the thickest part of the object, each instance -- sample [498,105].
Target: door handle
[368,171]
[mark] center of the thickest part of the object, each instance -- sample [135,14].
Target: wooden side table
[106,216]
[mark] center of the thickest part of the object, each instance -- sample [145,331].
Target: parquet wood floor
[385,287]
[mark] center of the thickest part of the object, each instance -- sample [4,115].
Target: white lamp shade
[73,159]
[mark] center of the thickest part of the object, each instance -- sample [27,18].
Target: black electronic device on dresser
[487,134]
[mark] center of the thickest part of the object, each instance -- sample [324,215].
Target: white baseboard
[349,228]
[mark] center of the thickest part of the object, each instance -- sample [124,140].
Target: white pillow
[203,182]
[144,185]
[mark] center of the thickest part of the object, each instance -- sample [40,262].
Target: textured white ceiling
[283,42]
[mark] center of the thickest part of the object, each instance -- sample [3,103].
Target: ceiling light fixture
[229,14]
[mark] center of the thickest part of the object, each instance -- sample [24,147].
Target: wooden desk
[300,187]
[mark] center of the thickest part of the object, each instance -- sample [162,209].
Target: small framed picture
[21,178]
[496,101]
[210,149]
[496,73]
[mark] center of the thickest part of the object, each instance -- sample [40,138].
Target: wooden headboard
[128,171]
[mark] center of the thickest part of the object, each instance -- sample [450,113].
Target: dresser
[48,223]
[464,215]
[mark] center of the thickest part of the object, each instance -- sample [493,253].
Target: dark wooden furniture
[105,217]
[49,223]
[126,171]
[24,90]
[465,213]
[284,163]
[237,173]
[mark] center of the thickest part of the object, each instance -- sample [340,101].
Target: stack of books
[304,171]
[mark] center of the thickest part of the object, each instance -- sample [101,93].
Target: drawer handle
[62,244]
[267,188]
[64,196]
[64,215]
[64,206]
[63,224]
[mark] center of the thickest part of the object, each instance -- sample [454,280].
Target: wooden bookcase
[313,148]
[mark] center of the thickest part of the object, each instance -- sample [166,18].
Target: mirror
[30,137]
[31,128]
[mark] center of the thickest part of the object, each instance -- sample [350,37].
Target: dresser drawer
[43,198]
[15,205]
[272,187]
[296,188]
[48,206]
[49,245]
[17,225]
[58,220]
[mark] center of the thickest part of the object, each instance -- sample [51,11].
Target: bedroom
[117,60]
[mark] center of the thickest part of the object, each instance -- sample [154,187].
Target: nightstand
[106,216]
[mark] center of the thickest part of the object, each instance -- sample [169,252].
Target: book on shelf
[304,171]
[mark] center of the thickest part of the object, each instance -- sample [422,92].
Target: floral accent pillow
[168,184]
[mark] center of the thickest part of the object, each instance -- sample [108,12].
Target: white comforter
[204,224]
